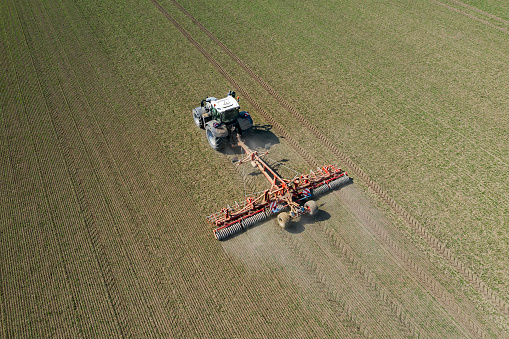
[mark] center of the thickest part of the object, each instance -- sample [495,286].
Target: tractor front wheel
[283,219]
[217,143]
[198,120]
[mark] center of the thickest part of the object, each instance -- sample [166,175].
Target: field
[105,180]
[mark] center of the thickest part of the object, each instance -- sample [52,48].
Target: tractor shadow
[261,137]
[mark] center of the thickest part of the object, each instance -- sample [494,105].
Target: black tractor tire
[217,143]
[311,206]
[283,219]
[198,121]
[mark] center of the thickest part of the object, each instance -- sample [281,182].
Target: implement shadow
[299,225]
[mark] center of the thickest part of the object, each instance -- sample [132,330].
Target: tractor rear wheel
[217,143]
[283,219]
[311,206]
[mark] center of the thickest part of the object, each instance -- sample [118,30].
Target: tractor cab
[225,110]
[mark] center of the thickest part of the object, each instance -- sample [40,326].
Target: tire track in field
[421,230]
[419,274]
[74,171]
[481,11]
[332,296]
[304,154]
[408,327]
[473,17]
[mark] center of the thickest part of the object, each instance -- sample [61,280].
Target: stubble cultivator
[289,198]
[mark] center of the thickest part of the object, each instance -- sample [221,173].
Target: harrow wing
[284,195]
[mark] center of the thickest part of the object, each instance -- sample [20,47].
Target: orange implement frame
[283,194]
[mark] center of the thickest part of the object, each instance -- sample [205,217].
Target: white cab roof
[225,104]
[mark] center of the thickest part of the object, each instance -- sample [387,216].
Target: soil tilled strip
[330,293]
[341,245]
[420,274]
[94,235]
[61,129]
[351,321]
[29,96]
[6,198]
[53,238]
[391,305]
[421,230]
[367,278]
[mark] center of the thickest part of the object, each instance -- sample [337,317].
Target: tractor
[289,199]
[222,120]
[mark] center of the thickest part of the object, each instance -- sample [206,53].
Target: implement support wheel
[311,206]
[283,219]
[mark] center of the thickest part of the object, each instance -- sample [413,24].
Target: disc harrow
[283,195]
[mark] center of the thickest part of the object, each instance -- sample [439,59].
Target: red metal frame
[282,192]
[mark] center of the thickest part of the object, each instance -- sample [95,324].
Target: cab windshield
[230,115]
